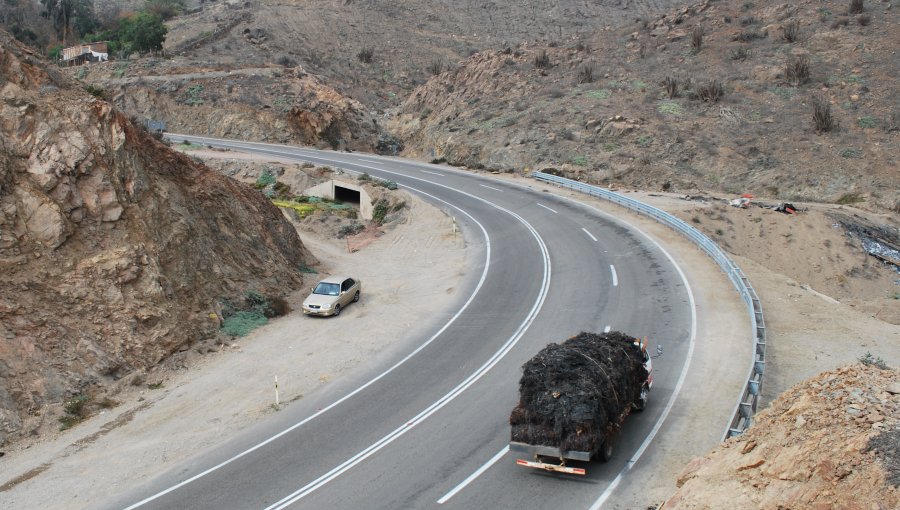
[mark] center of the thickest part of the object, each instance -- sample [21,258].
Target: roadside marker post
[276,391]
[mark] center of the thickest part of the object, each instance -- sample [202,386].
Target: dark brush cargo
[574,396]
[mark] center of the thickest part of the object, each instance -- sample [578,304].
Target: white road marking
[474,475]
[432,173]
[491,187]
[589,234]
[615,277]
[607,329]
[547,208]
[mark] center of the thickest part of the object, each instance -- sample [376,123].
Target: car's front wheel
[356,297]
[337,309]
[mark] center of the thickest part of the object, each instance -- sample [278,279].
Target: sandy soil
[148,431]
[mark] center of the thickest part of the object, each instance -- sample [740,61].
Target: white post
[276,391]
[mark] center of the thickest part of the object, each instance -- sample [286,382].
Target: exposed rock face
[114,250]
[830,442]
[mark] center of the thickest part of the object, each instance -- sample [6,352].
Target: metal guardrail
[747,403]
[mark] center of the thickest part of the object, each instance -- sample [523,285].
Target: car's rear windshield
[328,289]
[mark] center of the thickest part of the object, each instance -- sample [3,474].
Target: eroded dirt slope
[114,250]
[832,441]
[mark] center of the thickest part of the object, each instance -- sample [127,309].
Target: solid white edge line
[488,187]
[615,277]
[607,329]
[589,234]
[352,393]
[499,455]
[547,208]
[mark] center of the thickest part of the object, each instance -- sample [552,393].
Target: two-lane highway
[429,429]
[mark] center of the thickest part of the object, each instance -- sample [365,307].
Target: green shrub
[869,359]
[243,322]
[75,411]
[850,152]
[266,178]
[193,95]
[351,229]
[599,94]
[850,198]
[95,91]
[867,122]
[669,108]
[380,212]
[579,160]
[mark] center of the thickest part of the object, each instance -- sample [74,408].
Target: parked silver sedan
[331,295]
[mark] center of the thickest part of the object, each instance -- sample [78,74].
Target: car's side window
[347,284]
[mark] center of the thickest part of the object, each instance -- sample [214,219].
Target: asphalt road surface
[430,430]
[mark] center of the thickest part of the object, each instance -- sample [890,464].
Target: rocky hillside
[717,96]
[115,251]
[830,442]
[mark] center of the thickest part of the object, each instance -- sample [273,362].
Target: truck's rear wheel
[606,451]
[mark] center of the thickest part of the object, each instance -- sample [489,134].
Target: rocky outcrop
[830,442]
[114,250]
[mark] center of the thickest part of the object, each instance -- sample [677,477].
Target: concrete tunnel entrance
[346,195]
[345,192]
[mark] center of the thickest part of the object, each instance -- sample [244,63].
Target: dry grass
[790,32]
[796,71]
[823,121]
[856,7]
[697,38]
[366,55]
[711,91]
[542,61]
[671,84]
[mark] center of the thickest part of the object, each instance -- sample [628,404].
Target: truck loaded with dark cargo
[574,396]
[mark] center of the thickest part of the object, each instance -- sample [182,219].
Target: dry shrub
[710,91]
[542,61]
[436,68]
[791,31]
[586,74]
[671,84]
[842,21]
[796,71]
[856,7]
[823,121]
[697,38]
[863,20]
[366,55]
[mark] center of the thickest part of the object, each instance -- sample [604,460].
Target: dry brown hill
[734,119]
[830,442]
[114,250]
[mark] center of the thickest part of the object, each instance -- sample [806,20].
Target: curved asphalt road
[431,431]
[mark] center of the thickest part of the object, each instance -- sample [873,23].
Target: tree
[63,13]
[142,32]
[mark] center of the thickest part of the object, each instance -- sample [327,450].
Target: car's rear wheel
[337,309]
[356,297]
